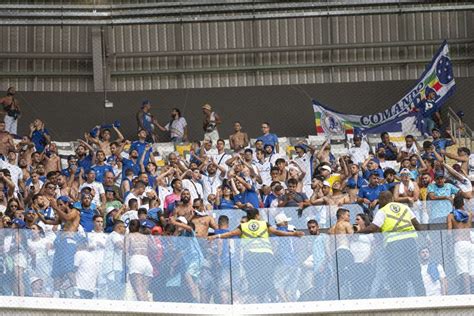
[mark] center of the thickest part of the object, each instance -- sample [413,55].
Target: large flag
[435,85]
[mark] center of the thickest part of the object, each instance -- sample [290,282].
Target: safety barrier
[224,271]
[427,212]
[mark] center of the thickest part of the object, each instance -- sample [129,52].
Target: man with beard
[132,163]
[87,211]
[12,110]
[177,126]
[184,208]
[202,220]
[66,216]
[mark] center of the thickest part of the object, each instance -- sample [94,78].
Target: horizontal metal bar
[5,20]
[33,55]
[287,48]
[254,68]
[45,74]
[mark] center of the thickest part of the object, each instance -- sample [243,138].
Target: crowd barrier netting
[224,271]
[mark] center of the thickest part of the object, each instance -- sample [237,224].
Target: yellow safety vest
[255,236]
[397,222]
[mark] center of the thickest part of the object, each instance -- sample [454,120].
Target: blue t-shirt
[87,216]
[129,164]
[284,249]
[268,200]
[249,196]
[100,171]
[270,139]
[442,143]
[446,190]
[37,137]
[371,193]
[389,154]
[85,163]
[67,172]
[226,204]
[352,183]
[367,173]
[224,258]
[428,108]
[140,147]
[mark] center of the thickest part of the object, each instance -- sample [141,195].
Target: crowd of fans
[115,185]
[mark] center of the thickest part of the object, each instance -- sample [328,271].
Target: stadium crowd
[73,225]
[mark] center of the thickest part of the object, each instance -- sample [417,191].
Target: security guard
[257,252]
[399,225]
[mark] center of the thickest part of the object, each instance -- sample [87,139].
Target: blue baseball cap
[64,198]
[147,224]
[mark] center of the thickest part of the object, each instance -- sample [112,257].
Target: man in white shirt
[304,160]
[178,127]
[434,277]
[113,262]
[212,179]
[263,167]
[136,193]
[87,271]
[408,149]
[97,189]
[359,151]
[11,164]
[193,185]
[221,157]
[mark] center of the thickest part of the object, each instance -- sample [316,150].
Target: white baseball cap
[326,184]
[281,218]
[326,167]
[109,209]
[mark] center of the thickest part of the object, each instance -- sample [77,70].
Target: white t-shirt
[358,154]
[130,196]
[410,151]
[471,167]
[113,255]
[220,159]
[210,184]
[264,171]
[98,189]
[97,242]
[432,288]
[15,172]
[195,188]
[306,165]
[128,216]
[177,127]
[379,218]
[87,270]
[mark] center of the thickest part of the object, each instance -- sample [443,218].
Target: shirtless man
[201,220]
[104,140]
[239,139]
[341,229]
[183,208]
[337,198]
[6,140]
[69,217]
[461,220]
[51,160]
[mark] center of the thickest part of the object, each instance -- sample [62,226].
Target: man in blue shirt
[369,194]
[101,167]
[39,135]
[441,190]
[84,160]
[245,195]
[140,146]
[391,151]
[87,210]
[268,138]
[441,143]
[131,164]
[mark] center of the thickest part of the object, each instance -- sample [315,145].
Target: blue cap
[18,222]
[265,145]
[301,146]
[64,199]
[147,224]
[153,213]
[145,102]
[439,174]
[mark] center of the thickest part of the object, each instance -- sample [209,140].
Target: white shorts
[464,257]
[141,265]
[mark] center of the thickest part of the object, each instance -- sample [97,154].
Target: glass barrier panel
[300,218]
[282,269]
[235,216]
[458,256]
[437,211]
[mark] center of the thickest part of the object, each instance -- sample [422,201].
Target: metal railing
[459,129]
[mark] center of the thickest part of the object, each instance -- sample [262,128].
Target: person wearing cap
[269,138]
[146,121]
[368,194]
[441,143]
[97,188]
[439,190]
[407,191]
[390,150]
[210,122]
[285,259]
[399,224]
[371,165]
[257,253]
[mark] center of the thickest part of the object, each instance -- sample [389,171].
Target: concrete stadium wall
[287,108]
